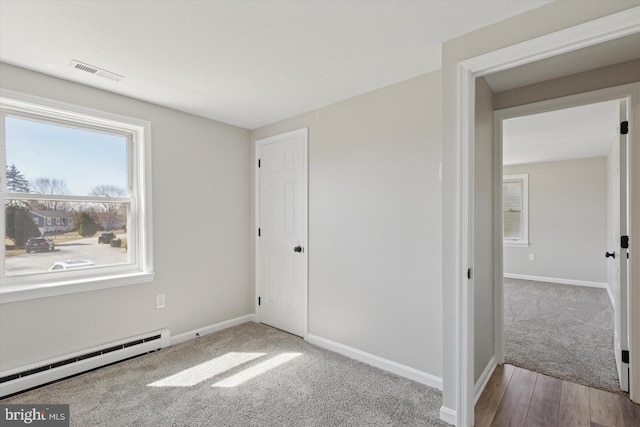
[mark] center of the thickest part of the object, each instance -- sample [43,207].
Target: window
[90,167]
[515,210]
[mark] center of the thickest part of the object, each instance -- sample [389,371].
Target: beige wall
[201,213]
[547,19]
[374,222]
[614,75]
[483,225]
[567,221]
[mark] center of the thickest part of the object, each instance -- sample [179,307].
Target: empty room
[559,178]
[284,212]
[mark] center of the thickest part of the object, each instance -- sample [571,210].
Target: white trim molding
[570,282]
[206,330]
[481,384]
[378,362]
[590,33]
[558,280]
[464,257]
[139,267]
[448,415]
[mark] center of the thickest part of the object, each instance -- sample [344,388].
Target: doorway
[281,237]
[558,216]
[460,160]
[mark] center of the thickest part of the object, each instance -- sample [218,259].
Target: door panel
[281,273]
[617,265]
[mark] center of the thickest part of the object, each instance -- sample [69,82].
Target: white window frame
[140,243]
[524,241]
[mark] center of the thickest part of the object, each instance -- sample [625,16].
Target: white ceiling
[571,133]
[247,63]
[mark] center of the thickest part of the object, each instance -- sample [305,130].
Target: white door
[617,256]
[281,252]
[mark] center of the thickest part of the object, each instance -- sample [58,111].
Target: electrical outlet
[532,257]
[160,301]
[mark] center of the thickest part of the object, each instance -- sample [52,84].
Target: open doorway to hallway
[560,209]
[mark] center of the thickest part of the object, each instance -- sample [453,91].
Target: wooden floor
[517,397]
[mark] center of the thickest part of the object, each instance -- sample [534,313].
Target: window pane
[54,159]
[512,221]
[512,195]
[41,240]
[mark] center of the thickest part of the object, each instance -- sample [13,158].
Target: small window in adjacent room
[515,210]
[91,167]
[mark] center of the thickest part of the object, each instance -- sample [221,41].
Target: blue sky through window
[83,159]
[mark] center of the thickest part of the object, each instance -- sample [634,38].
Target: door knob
[297,249]
[610,254]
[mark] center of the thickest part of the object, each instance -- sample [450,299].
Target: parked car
[39,244]
[71,263]
[106,237]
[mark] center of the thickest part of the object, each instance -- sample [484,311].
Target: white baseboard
[448,415]
[206,330]
[484,379]
[588,284]
[556,280]
[378,362]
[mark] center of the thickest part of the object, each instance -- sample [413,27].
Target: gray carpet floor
[562,331]
[309,387]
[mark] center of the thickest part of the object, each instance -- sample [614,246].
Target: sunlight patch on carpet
[204,371]
[256,370]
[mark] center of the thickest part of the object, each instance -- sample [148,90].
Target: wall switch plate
[160,301]
[532,257]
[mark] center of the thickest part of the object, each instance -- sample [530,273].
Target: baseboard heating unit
[37,374]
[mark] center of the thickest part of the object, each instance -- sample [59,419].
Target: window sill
[516,244]
[15,293]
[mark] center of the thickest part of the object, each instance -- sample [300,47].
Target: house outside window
[65,161]
[515,210]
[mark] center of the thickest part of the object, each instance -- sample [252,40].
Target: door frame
[628,93]
[304,133]
[570,39]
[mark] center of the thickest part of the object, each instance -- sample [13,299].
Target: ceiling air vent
[95,70]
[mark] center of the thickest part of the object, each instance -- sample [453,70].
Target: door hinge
[624,242]
[624,128]
[258,162]
[259,301]
[469,274]
[625,356]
